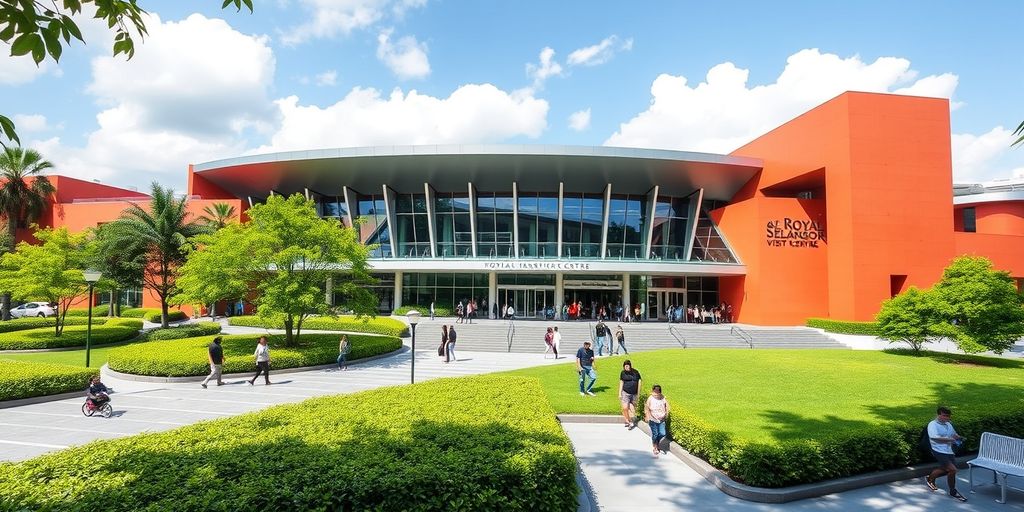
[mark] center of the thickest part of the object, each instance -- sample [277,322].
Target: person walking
[431,310]
[556,341]
[442,349]
[549,342]
[656,410]
[343,349]
[629,388]
[943,438]
[460,312]
[600,334]
[470,310]
[511,312]
[215,354]
[620,339]
[450,345]
[585,368]
[262,355]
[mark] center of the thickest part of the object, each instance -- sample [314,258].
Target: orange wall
[1000,218]
[1005,251]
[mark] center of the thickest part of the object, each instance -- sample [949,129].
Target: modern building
[825,216]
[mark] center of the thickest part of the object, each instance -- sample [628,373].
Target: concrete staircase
[493,336]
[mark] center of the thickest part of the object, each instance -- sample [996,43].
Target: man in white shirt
[943,438]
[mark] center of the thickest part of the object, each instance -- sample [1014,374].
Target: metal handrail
[511,334]
[678,335]
[743,335]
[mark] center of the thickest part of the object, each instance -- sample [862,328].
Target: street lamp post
[91,277]
[414,318]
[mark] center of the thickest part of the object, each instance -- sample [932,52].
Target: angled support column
[389,210]
[604,222]
[695,206]
[515,218]
[428,194]
[652,200]
[472,215]
[350,203]
[561,200]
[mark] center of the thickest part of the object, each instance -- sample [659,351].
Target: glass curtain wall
[412,233]
[668,241]
[454,231]
[708,245]
[582,221]
[626,226]
[494,223]
[373,229]
[702,291]
[445,289]
[538,225]
[332,207]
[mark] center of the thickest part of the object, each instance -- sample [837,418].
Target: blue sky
[701,76]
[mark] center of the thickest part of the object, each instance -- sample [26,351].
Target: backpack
[924,445]
[548,338]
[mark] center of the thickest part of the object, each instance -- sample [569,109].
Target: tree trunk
[163,312]
[288,338]
[5,299]
[113,300]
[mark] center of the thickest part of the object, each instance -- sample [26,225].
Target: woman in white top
[262,355]
[656,411]
[556,341]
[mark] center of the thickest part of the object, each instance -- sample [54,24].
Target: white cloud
[333,18]
[723,112]
[30,123]
[190,94]
[599,53]
[473,113]
[547,68]
[406,58]
[327,78]
[580,120]
[22,70]
[978,158]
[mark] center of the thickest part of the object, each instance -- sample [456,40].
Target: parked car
[30,309]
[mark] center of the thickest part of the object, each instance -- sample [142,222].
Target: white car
[33,309]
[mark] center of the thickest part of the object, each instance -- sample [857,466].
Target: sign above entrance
[609,266]
[794,233]
[586,283]
[534,265]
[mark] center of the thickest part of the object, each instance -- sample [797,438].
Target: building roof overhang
[535,168]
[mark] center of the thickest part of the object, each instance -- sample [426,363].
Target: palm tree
[163,230]
[21,202]
[1019,131]
[218,215]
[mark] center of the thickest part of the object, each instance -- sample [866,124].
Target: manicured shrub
[112,331]
[439,310]
[19,379]
[101,311]
[21,324]
[379,325]
[462,444]
[152,315]
[844,327]
[182,331]
[185,357]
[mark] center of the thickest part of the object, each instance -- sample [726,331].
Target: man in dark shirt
[629,387]
[97,391]
[216,357]
[585,368]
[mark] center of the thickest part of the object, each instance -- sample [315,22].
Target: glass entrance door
[653,305]
[528,303]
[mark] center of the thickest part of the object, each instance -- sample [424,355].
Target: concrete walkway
[31,430]
[624,476]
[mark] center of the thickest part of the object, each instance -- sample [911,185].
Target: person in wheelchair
[97,393]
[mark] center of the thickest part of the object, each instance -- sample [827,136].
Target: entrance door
[653,305]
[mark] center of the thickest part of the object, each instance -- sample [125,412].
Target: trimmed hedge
[101,310]
[439,310]
[182,331]
[21,324]
[870,448]
[112,331]
[844,327]
[152,315]
[447,445]
[188,357]
[19,379]
[379,325]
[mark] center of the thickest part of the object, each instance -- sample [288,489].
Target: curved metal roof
[535,168]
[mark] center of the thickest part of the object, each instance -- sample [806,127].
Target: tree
[912,317]
[36,28]
[122,265]
[218,215]
[984,308]
[1019,132]
[164,230]
[283,256]
[21,202]
[50,271]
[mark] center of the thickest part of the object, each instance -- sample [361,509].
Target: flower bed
[380,325]
[453,444]
[20,379]
[111,331]
[188,357]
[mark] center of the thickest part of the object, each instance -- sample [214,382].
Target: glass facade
[538,225]
[668,241]
[494,223]
[444,289]
[412,227]
[708,244]
[582,224]
[371,216]
[626,221]
[333,207]
[453,229]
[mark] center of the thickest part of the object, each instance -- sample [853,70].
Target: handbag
[440,351]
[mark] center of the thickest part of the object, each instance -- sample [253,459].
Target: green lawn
[781,395]
[97,357]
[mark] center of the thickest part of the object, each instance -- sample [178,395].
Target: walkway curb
[199,378]
[588,418]
[42,399]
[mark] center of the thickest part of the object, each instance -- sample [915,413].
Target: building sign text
[794,233]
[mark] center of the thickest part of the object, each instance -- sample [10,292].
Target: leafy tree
[122,265]
[36,28]
[282,257]
[912,317]
[218,215]
[21,201]
[1019,131]
[985,310]
[164,230]
[50,271]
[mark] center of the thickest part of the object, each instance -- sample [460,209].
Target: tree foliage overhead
[282,258]
[1019,133]
[912,317]
[40,29]
[163,230]
[50,271]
